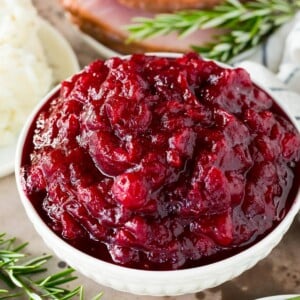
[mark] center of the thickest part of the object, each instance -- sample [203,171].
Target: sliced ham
[105,20]
[169,5]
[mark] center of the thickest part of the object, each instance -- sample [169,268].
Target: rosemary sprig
[19,275]
[245,25]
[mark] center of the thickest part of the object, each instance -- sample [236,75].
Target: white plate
[104,51]
[279,297]
[63,62]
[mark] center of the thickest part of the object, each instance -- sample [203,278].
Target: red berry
[131,190]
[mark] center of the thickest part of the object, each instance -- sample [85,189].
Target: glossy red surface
[160,163]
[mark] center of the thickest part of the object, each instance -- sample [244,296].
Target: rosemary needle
[245,25]
[17,274]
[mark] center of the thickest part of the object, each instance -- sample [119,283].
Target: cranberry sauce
[160,163]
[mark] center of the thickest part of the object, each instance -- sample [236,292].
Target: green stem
[247,24]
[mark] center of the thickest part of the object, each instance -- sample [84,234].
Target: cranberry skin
[210,194]
[108,155]
[35,180]
[232,90]
[291,142]
[119,110]
[86,85]
[134,233]
[219,228]
[70,229]
[184,142]
[131,190]
[93,117]
[161,163]
[123,255]
[154,169]
[96,230]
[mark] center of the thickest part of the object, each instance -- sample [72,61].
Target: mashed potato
[25,76]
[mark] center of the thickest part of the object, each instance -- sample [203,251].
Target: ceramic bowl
[155,283]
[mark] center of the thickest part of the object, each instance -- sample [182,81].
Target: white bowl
[63,63]
[155,283]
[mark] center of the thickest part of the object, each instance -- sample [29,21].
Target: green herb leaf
[245,25]
[16,273]
[294,298]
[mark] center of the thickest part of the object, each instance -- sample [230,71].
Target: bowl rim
[159,274]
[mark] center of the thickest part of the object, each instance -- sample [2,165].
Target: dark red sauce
[160,163]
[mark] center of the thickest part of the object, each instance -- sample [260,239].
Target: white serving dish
[154,283]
